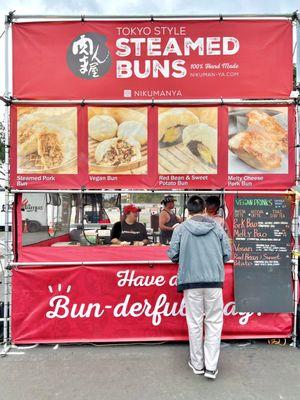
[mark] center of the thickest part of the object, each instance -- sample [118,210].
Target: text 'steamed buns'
[133,129]
[201,140]
[102,127]
[171,124]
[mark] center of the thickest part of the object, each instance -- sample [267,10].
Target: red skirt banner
[153,60]
[208,147]
[118,303]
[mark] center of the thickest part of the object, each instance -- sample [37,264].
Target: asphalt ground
[144,371]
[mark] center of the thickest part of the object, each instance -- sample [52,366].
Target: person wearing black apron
[168,220]
[129,231]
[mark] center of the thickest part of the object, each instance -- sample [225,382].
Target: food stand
[136,106]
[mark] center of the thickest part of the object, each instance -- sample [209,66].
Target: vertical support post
[7,241]
[296,219]
[298,50]
[296,270]
[296,222]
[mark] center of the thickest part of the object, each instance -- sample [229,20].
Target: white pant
[204,306]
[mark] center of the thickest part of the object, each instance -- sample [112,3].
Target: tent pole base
[5,349]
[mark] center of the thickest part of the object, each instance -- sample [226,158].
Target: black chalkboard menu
[262,254]
[262,231]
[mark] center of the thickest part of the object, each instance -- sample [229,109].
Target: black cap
[167,199]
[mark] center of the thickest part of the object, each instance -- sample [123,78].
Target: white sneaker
[196,371]
[211,374]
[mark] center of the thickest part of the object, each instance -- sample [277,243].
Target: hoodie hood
[199,225]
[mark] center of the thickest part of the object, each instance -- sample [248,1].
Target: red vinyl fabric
[153,176]
[200,59]
[118,303]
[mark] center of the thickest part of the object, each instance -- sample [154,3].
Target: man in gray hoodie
[201,247]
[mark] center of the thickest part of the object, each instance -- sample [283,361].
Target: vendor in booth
[168,220]
[129,230]
[213,206]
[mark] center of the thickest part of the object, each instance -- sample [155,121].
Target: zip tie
[221,18]
[9,18]
[5,100]
[295,16]
[82,18]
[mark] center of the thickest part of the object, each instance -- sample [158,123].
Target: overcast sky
[148,6]
[128,7]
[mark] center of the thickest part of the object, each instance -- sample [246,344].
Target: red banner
[158,59]
[118,303]
[261,148]
[207,147]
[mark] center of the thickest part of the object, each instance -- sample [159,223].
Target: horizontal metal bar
[15,17]
[154,101]
[83,263]
[79,102]
[288,191]
[86,263]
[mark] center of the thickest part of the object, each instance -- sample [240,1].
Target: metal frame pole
[295,260]
[295,271]
[296,232]
[7,250]
[152,102]
[124,191]
[163,17]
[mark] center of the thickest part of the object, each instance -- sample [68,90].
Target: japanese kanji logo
[88,56]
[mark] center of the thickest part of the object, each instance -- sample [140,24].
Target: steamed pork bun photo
[47,140]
